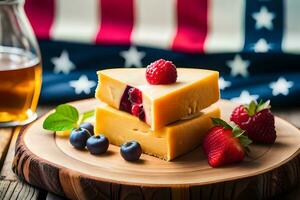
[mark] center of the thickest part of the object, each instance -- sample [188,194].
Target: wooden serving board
[52,163]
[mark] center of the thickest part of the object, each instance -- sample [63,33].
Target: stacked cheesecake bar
[167,120]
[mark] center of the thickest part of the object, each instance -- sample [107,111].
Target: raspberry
[135,96]
[240,116]
[161,72]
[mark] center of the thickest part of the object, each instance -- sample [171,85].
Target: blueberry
[88,126]
[131,151]
[78,137]
[97,144]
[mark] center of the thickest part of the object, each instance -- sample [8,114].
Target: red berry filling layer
[135,96]
[132,102]
[125,104]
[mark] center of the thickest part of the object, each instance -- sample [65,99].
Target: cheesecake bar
[166,143]
[194,90]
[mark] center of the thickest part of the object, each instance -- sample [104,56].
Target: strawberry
[257,120]
[225,144]
[161,72]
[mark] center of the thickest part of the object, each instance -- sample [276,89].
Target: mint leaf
[68,111]
[220,122]
[87,115]
[64,118]
[58,122]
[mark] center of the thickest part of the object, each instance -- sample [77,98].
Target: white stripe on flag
[76,20]
[155,23]
[225,26]
[291,32]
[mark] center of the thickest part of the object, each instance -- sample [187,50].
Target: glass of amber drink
[20,66]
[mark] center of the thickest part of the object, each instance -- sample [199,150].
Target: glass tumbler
[20,66]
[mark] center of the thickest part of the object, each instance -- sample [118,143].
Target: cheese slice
[194,90]
[166,143]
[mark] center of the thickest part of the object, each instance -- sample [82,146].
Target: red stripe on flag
[192,26]
[116,22]
[41,16]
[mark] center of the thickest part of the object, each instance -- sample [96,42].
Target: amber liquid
[20,84]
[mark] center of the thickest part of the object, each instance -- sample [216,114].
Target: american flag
[254,44]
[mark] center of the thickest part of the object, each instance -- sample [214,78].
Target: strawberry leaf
[220,122]
[263,105]
[255,107]
[244,140]
[251,108]
[237,131]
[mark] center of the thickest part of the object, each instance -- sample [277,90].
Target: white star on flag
[281,86]
[239,66]
[133,58]
[261,46]
[223,83]
[245,98]
[83,84]
[63,63]
[263,18]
